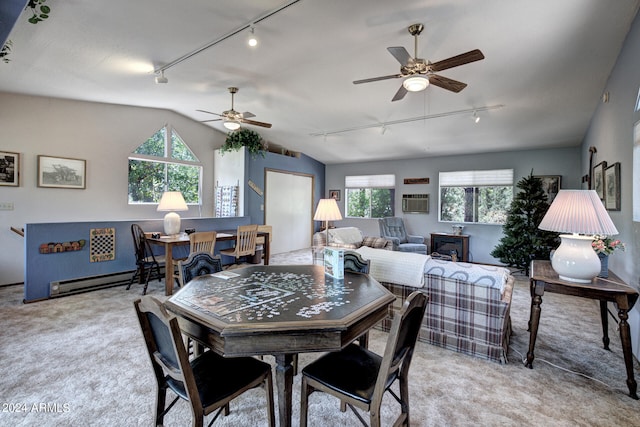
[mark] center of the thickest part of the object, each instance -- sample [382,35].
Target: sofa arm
[395,242]
[415,239]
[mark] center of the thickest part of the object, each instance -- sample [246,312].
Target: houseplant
[244,137]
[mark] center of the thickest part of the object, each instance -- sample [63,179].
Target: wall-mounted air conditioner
[415,203]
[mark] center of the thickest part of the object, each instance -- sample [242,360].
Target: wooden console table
[543,278]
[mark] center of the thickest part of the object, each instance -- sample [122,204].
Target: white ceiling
[546,62]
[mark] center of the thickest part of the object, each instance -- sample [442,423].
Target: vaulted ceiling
[545,68]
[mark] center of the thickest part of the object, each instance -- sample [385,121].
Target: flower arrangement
[606,245]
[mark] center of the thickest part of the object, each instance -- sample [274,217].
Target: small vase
[604,265]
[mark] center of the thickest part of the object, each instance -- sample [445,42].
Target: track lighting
[476,117]
[252,40]
[161,79]
[416,83]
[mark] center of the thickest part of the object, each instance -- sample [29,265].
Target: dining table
[279,310]
[169,242]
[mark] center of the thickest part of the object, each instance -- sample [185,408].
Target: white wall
[102,134]
[483,238]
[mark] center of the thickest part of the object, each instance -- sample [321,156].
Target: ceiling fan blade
[212,120]
[209,112]
[253,122]
[401,54]
[247,114]
[446,83]
[399,94]
[455,61]
[375,79]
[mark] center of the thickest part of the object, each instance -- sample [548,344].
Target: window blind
[370,181]
[495,177]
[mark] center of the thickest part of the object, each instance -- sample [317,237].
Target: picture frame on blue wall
[9,169]
[598,179]
[61,172]
[612,187]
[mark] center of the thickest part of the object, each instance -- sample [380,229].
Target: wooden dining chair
[198,264]
[208,382]
[202,241]
[147,264]
[360,378]
[245,242]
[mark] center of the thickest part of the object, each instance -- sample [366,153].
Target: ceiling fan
[419,72]
[232,118]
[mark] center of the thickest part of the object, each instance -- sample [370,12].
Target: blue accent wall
[42,269]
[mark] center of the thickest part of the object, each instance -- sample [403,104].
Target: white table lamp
[172,201]
[581,213]
[326,211]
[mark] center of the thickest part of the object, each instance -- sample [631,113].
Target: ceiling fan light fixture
[231,124]
[415,83]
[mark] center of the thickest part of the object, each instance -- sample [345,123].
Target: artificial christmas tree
[522,240]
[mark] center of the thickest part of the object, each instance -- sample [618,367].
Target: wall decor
[61,172]
[550,185]
[416,180]
[102,244]
[334,194]
[9,169]
[255,188]
[598,179]
[59,247]
[612,187]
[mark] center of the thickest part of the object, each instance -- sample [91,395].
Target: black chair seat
[218,378]
[353,372]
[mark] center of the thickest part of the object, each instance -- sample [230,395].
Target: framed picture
[551,185]
[598,179]
[612,187]
[9,169]
[334,194]
[61,172]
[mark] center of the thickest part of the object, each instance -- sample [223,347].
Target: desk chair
[359,377]
[245,242]
[147,264]
[202,241]
[209,382]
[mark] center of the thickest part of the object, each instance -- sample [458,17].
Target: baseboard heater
[60,288]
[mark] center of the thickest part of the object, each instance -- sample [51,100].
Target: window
[476,196]
[369,196]
[164,163]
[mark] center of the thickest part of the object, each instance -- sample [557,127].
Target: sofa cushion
[346,236]
[478,274]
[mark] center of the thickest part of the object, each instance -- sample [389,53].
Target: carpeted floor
[80,361]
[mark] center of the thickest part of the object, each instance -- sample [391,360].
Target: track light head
[161,79]
[252,40]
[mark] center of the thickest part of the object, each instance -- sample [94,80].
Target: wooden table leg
[168,269]
[535,320]
[625,337]
[604,318]
[284,384]
[267,250]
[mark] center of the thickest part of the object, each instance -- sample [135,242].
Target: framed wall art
[551,185]
[598,178]
[61,172]
[612,187]
[9,169]
[334,194]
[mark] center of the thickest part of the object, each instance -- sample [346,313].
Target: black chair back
[198,264]
[354,263]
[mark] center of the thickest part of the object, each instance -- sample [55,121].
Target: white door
[288,209]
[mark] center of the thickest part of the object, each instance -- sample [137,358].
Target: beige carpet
[80,361]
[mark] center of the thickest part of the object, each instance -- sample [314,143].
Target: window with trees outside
[164,163]
[475,196]
[369,196]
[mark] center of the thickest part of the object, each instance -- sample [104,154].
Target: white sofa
[469,304]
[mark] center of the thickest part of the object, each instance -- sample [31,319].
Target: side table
[543,278]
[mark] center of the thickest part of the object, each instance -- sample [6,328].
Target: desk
[280,310]
[543,278]
[183,239]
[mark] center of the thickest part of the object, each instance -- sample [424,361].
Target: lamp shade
[577,212]
[327,210]
[172,201]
